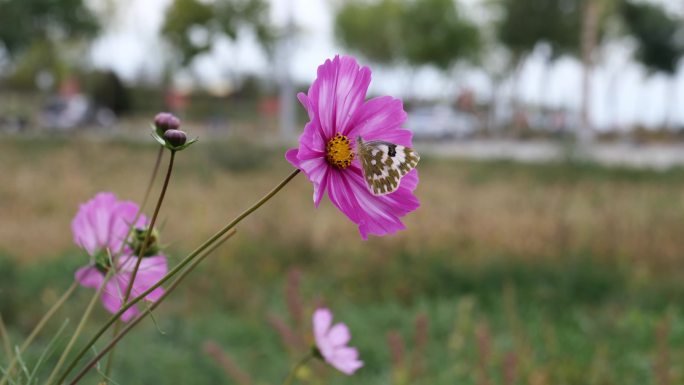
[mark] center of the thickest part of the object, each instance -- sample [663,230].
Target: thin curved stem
[150,183]
[79,328]
[38,328]
[175,270]
[112,344]
[148,234]
[146,197]
[6,343]
[293,373]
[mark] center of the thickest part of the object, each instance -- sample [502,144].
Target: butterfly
[384,164]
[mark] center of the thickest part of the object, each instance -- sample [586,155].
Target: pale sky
[623,91]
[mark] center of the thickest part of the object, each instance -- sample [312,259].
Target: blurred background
[548,248]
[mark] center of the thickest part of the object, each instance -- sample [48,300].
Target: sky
[623,94]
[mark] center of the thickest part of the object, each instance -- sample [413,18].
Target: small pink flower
[338,114]
[332,343]
[101,228]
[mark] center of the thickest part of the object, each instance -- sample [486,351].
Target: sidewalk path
[657,156]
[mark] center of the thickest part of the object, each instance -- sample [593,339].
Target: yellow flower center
[339,151]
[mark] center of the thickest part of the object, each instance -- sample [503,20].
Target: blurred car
[67,113]
[441,122]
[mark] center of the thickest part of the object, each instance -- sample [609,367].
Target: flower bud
[165,121]
[138,238]
[175,138]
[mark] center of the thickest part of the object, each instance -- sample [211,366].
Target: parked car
[441,122]
[68,113]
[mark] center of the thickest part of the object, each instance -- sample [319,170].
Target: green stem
[39,327]
[150,183]
[175,270]
[148,189]
[6,343]
[137,320]
[148,234]
[79,328]
[293,373]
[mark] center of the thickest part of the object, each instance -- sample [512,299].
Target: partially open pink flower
[332,341]
[101,227]
[151,270]
[338,114]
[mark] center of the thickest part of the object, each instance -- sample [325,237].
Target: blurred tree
[25,22]
[193,26]
[568,27]
[416,32]
[526,23]
[107,90]
[358,28]
[434,33]
[660,42]
[38,36]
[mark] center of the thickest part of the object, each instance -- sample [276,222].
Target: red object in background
[466,100]
[175,101]
[269,106]
[69,88]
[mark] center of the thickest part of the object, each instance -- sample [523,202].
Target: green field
[563,273]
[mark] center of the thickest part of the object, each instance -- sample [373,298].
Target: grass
[560,273]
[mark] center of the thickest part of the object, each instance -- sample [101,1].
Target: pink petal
[338,91]
[316,170]
[152,270]
[322,319]
[312,142]
[304,99]
[380,119]
[112,297]
[377,215]
[103,223]
[339,335]
[346,360]
[122,218]
[90,225]
[89,276]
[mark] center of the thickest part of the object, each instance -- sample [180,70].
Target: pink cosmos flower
[332,343]
[338,114]
[101,227]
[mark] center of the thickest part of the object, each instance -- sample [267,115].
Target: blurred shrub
[108,91]
[9,284]
[35,287]
[240,155]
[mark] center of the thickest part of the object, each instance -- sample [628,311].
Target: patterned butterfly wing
[384,164]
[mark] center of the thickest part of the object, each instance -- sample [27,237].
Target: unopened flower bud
[138,238]
[175,137]
[165,121]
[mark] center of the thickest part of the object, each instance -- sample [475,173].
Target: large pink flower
[338,114]
[101,228]
[332,341]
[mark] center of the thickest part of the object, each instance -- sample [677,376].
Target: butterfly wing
[384,164]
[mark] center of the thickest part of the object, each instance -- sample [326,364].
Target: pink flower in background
[101,227]
[338,114]
[151,270]
[332,343]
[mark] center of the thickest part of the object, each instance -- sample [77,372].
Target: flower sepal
[316,353]
[138,238]
[159,136]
